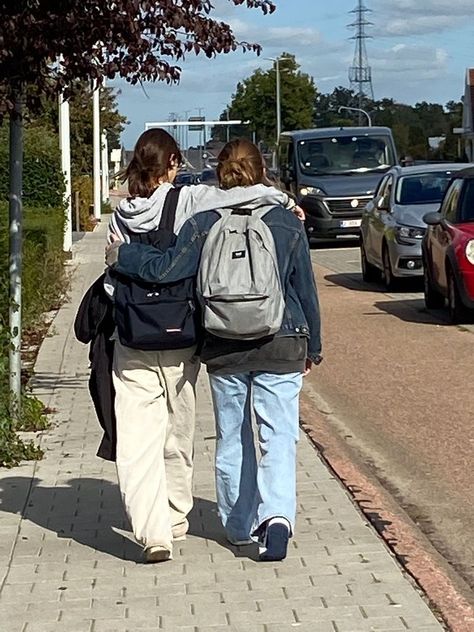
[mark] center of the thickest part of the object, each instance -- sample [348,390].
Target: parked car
[186,177]
[392,224]
[209,176]
[334,172]
[448,250]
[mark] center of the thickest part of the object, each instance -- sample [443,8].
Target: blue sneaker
[275,541]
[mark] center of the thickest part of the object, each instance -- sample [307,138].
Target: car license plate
[351,223]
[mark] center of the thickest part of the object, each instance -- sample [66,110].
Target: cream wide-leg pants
[155,410]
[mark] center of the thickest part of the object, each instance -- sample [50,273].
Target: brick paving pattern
[68,563]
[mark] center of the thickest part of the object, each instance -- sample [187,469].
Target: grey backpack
[238,281]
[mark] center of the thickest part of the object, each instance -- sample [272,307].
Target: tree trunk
[15,259]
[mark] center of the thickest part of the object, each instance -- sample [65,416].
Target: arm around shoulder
[304,284]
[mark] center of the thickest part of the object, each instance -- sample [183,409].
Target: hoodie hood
[141,215]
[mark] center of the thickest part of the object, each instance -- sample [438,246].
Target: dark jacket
[94,325]
[301,318]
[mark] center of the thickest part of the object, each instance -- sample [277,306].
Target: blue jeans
[249,493]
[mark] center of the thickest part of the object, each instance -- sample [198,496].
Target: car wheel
[458,312]
[391,283]
[433,298]
[369,271]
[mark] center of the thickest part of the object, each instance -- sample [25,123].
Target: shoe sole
[240,542]
[160,555]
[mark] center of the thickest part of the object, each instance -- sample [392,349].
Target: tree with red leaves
[138,40]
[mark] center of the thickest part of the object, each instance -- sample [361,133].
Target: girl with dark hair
[263,377]
[155,399]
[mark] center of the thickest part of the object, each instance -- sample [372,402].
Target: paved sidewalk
[67,562]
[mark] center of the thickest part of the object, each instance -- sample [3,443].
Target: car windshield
[423,188]
[345,154]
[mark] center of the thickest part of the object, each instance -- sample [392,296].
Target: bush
[43,181]
[43,271]
[84,186]
[43,286]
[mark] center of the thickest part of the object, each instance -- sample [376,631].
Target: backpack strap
[168,214]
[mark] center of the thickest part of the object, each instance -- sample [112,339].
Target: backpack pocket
[166,323]
[238,316]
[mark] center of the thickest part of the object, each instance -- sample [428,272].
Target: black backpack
[155,317]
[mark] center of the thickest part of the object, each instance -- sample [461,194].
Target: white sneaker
[155,554]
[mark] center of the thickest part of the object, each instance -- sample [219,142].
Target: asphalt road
[399,381]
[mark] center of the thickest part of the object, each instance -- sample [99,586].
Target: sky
[418,51]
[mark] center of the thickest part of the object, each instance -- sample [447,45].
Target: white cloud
[412,17]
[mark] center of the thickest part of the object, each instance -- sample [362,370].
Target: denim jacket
[301,317]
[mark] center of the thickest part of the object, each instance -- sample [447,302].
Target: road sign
[196,119]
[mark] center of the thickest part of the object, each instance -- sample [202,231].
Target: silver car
[392,223]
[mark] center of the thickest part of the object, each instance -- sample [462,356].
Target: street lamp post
[96,152]
[278,96]
[360,110]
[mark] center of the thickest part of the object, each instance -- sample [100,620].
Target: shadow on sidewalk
[205,523]
[89,511]
[85,510]
[50,381]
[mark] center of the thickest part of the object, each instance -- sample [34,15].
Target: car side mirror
[433,218]
[382,206]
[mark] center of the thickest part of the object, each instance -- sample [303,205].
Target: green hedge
[43,182]
[43,285]
[43,276]
[43,270]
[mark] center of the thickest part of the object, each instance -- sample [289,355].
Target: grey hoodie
[142,215]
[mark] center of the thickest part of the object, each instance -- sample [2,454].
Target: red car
[448,250]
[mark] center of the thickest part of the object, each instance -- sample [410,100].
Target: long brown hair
[240,165]
[153,155]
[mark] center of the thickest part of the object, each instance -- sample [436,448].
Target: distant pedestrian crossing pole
[65,148]
[96,153]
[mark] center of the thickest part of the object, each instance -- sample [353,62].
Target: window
[291,156]
[423,188]
[467,203]
[283,154]
[385,192]
[381,188]
[450,203]
[345,154]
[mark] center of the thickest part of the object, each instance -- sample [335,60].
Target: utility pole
[186,132]
[15,247]
[278,98]
[360,73]
[97,152]
[65,148]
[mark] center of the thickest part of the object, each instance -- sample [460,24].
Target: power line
[360,73]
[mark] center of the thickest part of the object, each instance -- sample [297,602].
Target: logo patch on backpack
[238,254]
